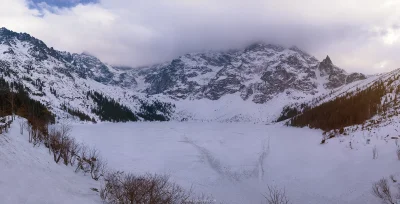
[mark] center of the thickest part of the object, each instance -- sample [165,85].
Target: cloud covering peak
[359,35]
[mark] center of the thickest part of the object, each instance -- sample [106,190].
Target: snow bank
[29,175]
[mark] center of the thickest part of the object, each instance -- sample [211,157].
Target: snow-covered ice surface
[29,175]
[236,161]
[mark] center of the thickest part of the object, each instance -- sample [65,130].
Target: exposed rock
[336,76]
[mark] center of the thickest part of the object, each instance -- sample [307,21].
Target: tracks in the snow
[225,171]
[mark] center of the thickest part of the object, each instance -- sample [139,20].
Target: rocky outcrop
[336,77]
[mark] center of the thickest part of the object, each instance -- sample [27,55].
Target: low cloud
[359,35]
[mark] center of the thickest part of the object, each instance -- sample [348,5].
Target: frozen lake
[236,162]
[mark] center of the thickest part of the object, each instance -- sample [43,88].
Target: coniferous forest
[14,98]
[110,110]
[347,110]
[151,111]
[82,116]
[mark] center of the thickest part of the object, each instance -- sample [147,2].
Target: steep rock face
[257,73]
[336,76]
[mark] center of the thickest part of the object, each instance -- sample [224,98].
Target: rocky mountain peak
[2,29]
[326,67]
[327,61]
[336,77]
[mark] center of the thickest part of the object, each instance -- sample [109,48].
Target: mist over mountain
[259,74]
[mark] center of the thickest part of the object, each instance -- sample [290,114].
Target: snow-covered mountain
[252,84]
[258,73]
[374,102]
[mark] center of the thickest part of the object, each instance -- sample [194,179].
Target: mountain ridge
[255,77]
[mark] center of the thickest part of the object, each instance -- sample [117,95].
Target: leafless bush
[65,148]
[36,136]
[61,144]
[276,196]
[66,152]
[374,153]
[81,158]
[89,161]
[97,165]
[381,190]
[128,188]
[56,141]
[74,149]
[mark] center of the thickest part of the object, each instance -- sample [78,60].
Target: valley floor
[235,162]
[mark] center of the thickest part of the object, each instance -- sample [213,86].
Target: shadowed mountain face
[257,74]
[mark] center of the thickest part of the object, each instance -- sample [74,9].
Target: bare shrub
[65,148]
[74,149]
[276,196]
[55,143]
[36,136]
[81,158]
[61,144]
[97,165]
[381,190]
[374,153]
[66,152]
[65,130]
[128,188]
[89,161]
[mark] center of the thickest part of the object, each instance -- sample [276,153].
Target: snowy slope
[55,78]
[29,175]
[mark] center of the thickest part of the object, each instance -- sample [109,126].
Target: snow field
[236,162]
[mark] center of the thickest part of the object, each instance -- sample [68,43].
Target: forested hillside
[347,110]
[370,104]
[14,98]
[110,110]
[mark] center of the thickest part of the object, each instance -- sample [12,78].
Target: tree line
[347,110]
[110,110]
[155,111]
[14,99]
[75,112]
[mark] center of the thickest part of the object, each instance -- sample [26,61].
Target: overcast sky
[358,35]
